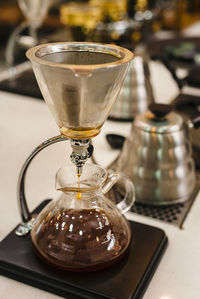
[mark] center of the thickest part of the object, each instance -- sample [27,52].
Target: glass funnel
[80,83]
[84,230]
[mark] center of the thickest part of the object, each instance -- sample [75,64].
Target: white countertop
[24,124]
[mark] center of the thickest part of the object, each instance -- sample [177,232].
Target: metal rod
[24,211]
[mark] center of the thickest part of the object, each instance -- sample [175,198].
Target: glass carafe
[84,229]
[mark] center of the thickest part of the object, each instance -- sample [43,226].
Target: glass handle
[24,211]
[125,187]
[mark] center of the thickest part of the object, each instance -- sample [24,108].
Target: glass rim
[36,53]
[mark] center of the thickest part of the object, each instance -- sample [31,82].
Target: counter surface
[25,123]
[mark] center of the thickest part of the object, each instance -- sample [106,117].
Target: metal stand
[27,217]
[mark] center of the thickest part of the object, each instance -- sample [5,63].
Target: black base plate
[126,279]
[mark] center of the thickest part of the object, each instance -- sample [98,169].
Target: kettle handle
[124,182]
[195,122]
[24,211]
[165,61]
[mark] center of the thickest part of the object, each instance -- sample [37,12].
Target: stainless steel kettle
[137,92]
[157,156]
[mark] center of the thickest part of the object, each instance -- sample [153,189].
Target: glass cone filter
[80,83]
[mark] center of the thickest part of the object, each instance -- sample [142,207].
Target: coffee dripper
[79,82]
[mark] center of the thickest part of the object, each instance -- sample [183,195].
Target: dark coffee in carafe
[82,240]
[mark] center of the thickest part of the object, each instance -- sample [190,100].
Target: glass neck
[83,195]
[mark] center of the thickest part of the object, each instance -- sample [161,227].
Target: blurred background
[124,22]
[162,31]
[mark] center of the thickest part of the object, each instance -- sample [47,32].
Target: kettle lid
[159,119]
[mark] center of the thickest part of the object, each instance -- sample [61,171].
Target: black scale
[127,279]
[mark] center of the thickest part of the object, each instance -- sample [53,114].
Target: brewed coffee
[81,240]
